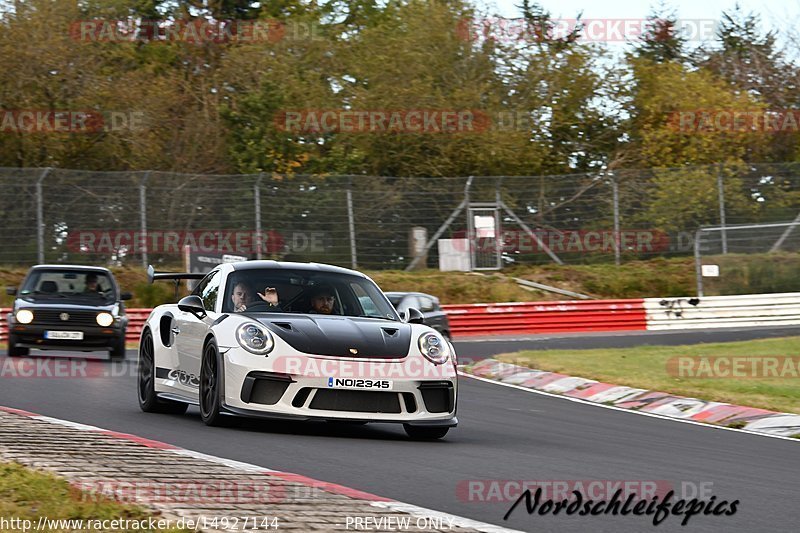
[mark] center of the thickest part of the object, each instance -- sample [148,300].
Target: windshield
[72,283]
[395,299]
[305,291]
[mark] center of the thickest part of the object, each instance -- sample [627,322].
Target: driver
[241,297]
[91,283]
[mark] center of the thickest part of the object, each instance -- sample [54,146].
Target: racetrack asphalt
[504,434]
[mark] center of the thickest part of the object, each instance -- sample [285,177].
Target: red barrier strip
[546,317]
[496,319]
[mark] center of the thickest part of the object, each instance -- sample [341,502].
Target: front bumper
[428,400]
[33,336]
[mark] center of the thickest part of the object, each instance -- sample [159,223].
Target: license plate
[359,384]
[69,335]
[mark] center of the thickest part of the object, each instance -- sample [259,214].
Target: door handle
[175,330]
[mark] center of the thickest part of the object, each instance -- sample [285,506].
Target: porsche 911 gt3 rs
[296,341]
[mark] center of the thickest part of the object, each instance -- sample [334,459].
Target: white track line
[615,408]
[398,506]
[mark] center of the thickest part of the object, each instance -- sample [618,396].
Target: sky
[775,14]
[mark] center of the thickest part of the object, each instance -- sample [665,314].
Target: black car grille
[356,401]
[76,318]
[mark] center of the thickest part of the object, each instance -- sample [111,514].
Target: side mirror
[415,316]
[125,296]
[11,291]
[192,304]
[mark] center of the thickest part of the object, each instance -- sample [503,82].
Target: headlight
[105,319]
[434,348]
[255,338]
[24,316]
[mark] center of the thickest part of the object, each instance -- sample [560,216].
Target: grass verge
[646,367]
[29,494]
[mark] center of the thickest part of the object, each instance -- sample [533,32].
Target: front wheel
[149,402]
[425,433]
[210,404]
[14,350]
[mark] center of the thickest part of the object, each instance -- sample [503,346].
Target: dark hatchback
[67,307]
[429,305]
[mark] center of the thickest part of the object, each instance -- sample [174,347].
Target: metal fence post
[615,202]
[257,207]
[143,215]
[351,223]
[698,267]
[721,192]
[40,216]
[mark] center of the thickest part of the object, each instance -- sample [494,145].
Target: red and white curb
[376,501]
[642,401]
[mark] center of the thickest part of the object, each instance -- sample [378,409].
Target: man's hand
[270,295]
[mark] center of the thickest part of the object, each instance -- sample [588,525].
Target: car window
[352,295]
[425,304]
[408,301]
[207,290]
[53,283]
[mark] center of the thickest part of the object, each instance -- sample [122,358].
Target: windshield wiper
[49,294]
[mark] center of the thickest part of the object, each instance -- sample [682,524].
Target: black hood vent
[343,336]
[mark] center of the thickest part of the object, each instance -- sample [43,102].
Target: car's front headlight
[434,348]
[24,316]
[105,319]
[255,338]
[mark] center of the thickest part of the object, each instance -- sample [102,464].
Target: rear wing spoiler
[152,275]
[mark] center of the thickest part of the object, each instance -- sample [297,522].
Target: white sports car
[295,341]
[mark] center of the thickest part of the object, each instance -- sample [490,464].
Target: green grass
[646,367]
[30,494]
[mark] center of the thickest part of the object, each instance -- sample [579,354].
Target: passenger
[323,299]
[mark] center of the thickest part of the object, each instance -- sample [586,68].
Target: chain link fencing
[136,218]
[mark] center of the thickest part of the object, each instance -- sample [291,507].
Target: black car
[429,305]
[67,307]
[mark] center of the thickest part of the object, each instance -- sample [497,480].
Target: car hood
[339,335]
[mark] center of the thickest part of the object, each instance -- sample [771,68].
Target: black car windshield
[90,285]
[305,291]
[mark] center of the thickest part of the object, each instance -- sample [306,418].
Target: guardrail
[592,315]
[546,317]
[744,310]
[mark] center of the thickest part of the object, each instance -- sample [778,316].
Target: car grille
[53,316]
[356,401]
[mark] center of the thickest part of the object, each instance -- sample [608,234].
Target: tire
[14,350]
[425,433]
[210,393]
[148,401]
[117,352]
